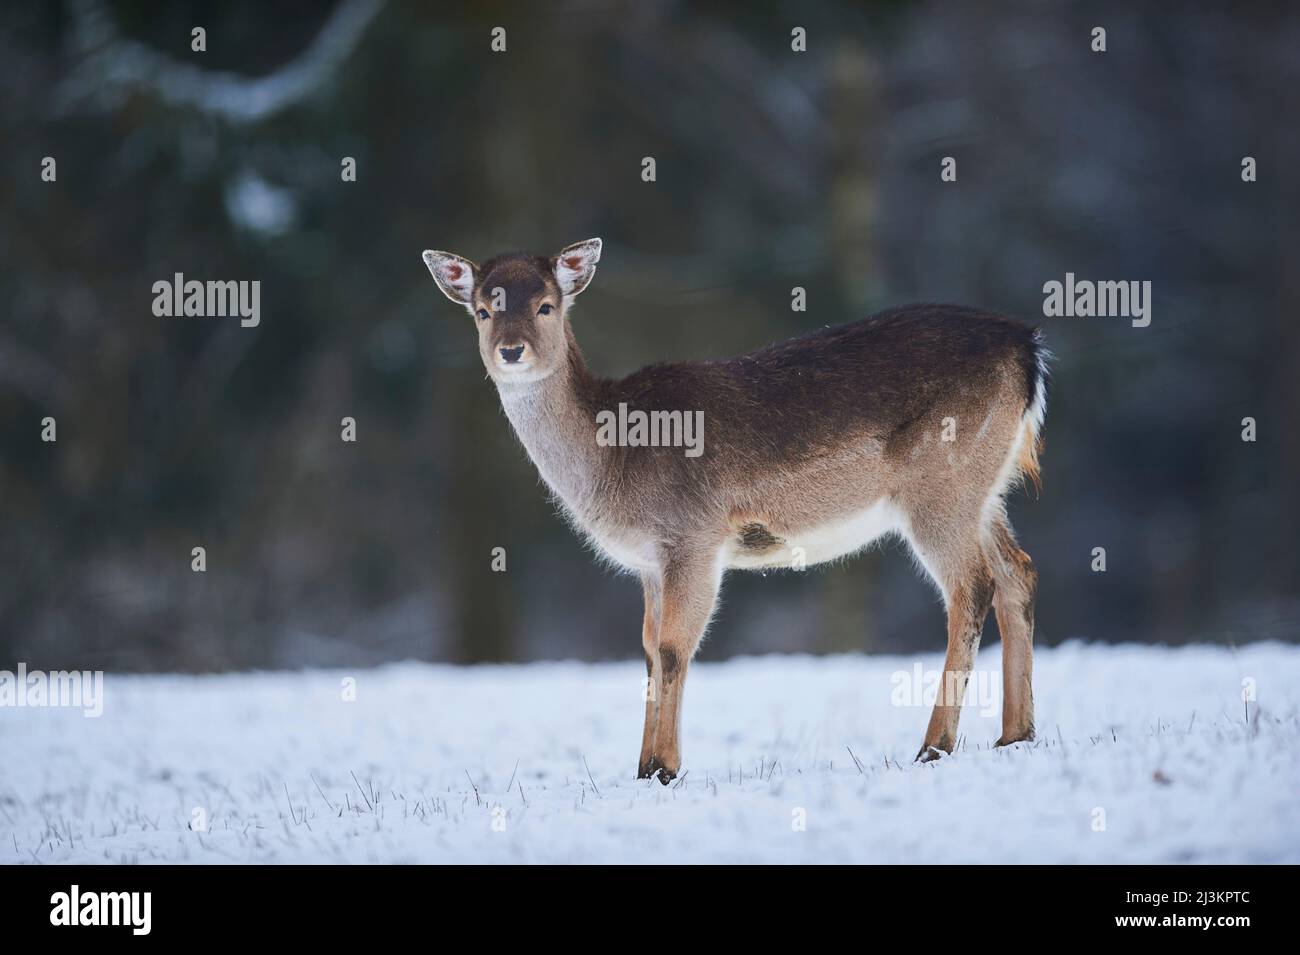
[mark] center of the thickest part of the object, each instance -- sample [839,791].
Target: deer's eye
[544,310]
[483,313]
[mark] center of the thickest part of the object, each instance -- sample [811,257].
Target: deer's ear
[454,275]
[575,265]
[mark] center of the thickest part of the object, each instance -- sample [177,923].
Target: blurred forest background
[775,169]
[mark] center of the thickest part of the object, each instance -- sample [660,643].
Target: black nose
[511,355]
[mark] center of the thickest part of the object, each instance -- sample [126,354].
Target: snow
[1155,742]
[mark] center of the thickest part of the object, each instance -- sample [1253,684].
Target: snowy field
[1144,755]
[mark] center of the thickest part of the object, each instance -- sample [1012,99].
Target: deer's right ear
[454,275]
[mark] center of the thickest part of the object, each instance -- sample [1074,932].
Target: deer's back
[870,378]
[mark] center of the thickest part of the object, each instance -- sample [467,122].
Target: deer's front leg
[688,592]
[651,587]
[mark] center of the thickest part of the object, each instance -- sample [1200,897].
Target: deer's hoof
[653,769]
[1008,738]
[929,754]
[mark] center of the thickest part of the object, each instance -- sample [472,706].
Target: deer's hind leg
[963,574]
[1016,584]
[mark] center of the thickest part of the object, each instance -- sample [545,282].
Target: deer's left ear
[575,265]
[455,275]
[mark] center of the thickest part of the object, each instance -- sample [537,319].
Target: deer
[914,422]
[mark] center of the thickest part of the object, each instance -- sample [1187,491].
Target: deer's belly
[624,548]
[756,546]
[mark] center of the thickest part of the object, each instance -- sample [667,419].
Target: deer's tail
[1031,438]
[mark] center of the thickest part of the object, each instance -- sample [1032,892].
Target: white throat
[549,423]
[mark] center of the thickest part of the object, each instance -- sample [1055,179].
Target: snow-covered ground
[1144,755]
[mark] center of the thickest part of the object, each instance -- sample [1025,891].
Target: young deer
[915,421]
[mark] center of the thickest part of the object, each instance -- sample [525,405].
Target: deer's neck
[555,421]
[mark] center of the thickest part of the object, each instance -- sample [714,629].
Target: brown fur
[916,421]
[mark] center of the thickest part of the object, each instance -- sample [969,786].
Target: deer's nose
[511,355]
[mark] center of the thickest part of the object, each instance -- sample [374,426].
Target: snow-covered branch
[111,66]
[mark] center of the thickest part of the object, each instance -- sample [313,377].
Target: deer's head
[520,304]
